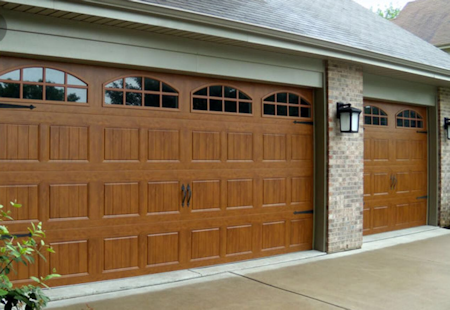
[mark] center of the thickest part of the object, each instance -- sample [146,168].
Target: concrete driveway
[410,271]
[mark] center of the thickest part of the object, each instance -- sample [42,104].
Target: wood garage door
[151,172]
[395,167]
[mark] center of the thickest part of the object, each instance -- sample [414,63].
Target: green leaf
[3,292]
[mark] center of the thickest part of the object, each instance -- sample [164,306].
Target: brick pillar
[444,159]
[345,160]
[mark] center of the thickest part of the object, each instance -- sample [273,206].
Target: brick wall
[444,155]
[345,161]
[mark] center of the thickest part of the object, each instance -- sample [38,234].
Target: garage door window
[221,98]
[286,104]
[140,91]
[42,83]
[409,119]
[375,116]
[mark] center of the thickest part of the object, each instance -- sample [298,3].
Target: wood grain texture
[121,144]
[69,143]
[19,142]
[68,201]
[121,198]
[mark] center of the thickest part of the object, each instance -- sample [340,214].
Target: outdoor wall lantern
[349,117]
[446,125]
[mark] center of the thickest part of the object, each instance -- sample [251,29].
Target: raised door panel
[26,195]
[120,253]
[19,142]
[69,201]
[302,190]
[163,249]
[69,143]
[403,182]
[381,149]
[163,197]
[402,150]
[381,183]
[368,186]
[206,146]
[205,196]
[163,145]
[419,150]
[70,258]
[240,194]
[274,147]
[300,232]
[380,217]
[240,146]
[239,240]
[274,192]
[302,147]
[368,152]
[121,199]
[273,235]
[121,144]
[205,244]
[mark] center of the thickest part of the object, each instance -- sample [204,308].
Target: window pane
[113,97]
[406,123]
[282,97]
[71,80]
[269,109]
[270,98]
[367,110]
[399,122]
[133,83]
[134,99]
[406,114]
[413,124]
[9,90]
[281,110]
[170,102]
[384,121]
[293,99]
[400,115]
[115,84]
[32,92]
[230,92]
[33,74]
[13,75]
[166,88]
[419,117]
[76,95]
[215,105]
[55,93]
[376,120]
[202,92]
[419,124]
[367,120]
[231,106]
[243,96]
[304,102]
[245,107]
[215,91]
[200,104]
[151,100]
[413,114]
[293,111]
[305,112]
[375,111]
[151,84]
[383,113]
[54,76]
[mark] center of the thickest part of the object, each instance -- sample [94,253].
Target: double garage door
[134,172]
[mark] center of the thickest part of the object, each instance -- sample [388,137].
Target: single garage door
[135,172]
[395,167]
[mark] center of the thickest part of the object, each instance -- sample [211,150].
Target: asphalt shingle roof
[427,19]
[339,21]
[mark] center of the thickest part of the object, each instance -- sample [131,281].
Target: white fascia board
[150,14]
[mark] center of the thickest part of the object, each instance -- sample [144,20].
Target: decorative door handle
[190,195]
[392,182]
[395,182]
[183,189]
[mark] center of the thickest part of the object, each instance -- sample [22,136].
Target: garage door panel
[239,240]
[300,232]
[402,150]
[120,253]
[274,192]
[69,143]
[240,194]
[27,195]
[19,142]
[381,183]
[205,244]
[121,199]
[380,217]
[301,190]
[68,201]
[206,196]
[206,146]
[121,144]
[273,235]
[163,145]
[240,146]
[274,147]
[75,264]
[380,149]
[163,197]
[302,147]
[163,249]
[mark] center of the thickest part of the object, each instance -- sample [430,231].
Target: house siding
[444,163]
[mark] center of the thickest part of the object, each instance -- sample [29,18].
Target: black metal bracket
[422,197]
[15,236]
[305,123]
[304,212]
[16,106]
[422,131]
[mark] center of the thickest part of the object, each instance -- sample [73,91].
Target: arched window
[42,83]
[409,119]
[375,116]
[221,98]
[286,104]
[140,91]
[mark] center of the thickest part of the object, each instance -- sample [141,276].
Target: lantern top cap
[346,107]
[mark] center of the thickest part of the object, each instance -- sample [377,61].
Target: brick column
[444,159]
[345,160]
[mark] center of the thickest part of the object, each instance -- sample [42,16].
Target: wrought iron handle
[395,182]
[183,189]
[392,182]
[190,195]
[16,106]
